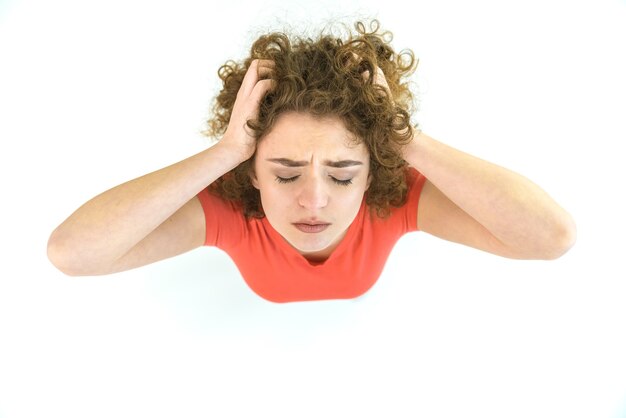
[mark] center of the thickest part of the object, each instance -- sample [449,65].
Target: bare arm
[480,204]
[95,238]
[157,215]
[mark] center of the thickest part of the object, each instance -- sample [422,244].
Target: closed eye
[291,179]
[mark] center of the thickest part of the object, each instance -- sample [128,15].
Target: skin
[313,193]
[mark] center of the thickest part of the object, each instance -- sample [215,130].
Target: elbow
[564,239]
[57,256]
[551,245]
[69,258]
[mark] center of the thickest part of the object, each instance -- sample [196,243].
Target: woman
[310,199]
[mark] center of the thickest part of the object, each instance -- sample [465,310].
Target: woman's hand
[379,77]
[246,107]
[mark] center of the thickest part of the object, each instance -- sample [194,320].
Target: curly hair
[322,77]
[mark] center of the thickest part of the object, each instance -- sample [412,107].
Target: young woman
[316,176]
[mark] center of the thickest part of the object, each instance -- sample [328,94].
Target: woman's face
[313,155]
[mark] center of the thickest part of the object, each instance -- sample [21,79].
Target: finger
[259,91]
[266,85]
[365,74]
[263,61]
[265,72]
[264,65]
[250,78]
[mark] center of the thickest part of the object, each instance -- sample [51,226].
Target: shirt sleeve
[225,222]
[415,183]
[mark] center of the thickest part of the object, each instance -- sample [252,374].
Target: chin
[310,244]
[311,247]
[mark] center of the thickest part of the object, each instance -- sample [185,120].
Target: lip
[311,221]
[311,229]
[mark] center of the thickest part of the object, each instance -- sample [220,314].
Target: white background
[93,94]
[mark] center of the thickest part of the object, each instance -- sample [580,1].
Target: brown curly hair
[322,77]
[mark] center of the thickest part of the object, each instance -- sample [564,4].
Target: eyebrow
[291,163]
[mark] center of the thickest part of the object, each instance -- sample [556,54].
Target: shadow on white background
[95,94]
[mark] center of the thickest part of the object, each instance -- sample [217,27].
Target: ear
[369,181]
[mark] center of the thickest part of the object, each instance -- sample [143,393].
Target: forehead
[302,132]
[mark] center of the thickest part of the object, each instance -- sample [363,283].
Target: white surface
[93,94]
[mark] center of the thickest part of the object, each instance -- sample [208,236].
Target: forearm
[109,225]
[515,210]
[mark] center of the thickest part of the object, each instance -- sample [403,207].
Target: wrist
[412,150]
[230,155]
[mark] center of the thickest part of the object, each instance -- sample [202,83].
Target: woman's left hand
[379,77]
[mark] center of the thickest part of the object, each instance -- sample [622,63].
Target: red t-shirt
[275,270]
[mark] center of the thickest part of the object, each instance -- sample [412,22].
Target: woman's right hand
[246,107]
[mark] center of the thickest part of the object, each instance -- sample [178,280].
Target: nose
[314,192]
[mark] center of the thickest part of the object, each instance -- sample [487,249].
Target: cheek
[274,194]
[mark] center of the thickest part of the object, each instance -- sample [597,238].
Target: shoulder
[225,222]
